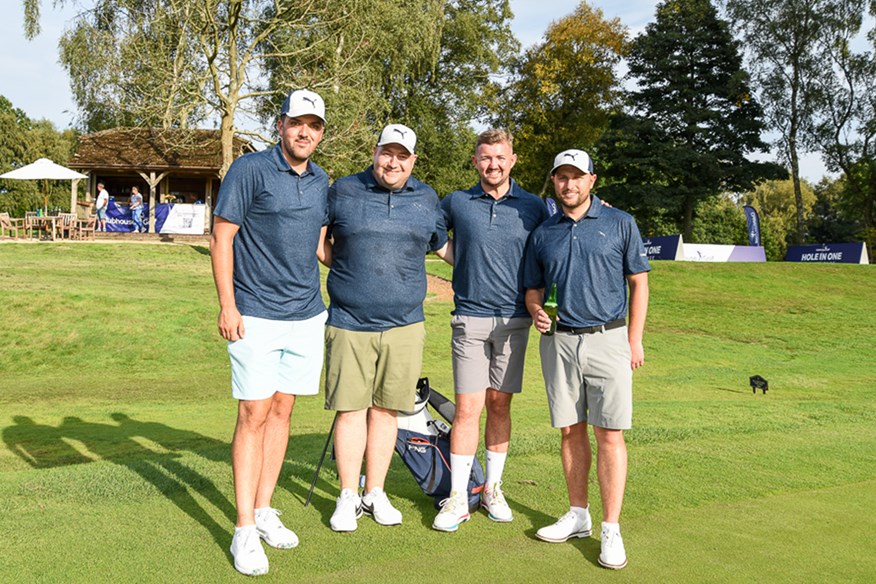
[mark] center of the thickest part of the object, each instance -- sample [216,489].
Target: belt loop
[602,328]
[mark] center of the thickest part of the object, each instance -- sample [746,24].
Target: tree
[775,202]
[207,61]
[562,91]
[23,141]
[845,127]
[785,40]
[692,116]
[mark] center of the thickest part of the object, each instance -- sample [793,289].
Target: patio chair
[85,228]
[11,225]
[67,225]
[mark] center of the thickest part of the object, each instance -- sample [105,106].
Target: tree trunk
[227,134]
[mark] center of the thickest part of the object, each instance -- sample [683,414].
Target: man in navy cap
[382,222]
[269,226]
[594,256]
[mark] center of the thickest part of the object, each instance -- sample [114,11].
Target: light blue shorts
[277,355]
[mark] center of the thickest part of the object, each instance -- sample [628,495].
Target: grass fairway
[116,419]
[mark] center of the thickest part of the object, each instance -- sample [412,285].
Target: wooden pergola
[164,160]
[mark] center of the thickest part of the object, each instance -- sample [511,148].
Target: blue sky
[33,80]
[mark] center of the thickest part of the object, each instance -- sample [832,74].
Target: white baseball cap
[303,102]
[398,134]
[577,158]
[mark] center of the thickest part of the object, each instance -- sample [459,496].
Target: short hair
[494,136]
[100,184]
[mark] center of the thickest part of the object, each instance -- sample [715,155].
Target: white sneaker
[249,557]
[493,500]
[569,525]
[347,511]
[376,503]
[454,510]
[613,555]
[272,530]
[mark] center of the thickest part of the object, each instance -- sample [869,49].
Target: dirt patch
[441,288]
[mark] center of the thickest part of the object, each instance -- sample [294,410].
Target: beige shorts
[381,369]
[488,352]
[588,377]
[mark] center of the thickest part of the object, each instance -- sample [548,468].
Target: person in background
[101,206]
[137,210]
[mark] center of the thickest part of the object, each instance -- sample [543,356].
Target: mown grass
[116,420]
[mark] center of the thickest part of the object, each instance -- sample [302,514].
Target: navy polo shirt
[378,275]
[588,260]
[489,238]
[280,214]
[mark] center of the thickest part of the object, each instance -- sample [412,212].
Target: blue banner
[120,219]
[553,209]
[665,247]
[838,253]
[753,225]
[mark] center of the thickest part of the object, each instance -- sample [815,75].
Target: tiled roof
[153,149]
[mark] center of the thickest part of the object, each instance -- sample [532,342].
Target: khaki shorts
[381,369]
[488,352]
[588,377]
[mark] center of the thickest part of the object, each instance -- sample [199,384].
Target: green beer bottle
[550,307]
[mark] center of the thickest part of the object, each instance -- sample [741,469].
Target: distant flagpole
[753,225]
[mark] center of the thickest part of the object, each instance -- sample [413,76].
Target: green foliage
[776,205]
[121,442]
[719,220]
[562,90]
[23,141]
[787,42]
[433,69]
[693,117]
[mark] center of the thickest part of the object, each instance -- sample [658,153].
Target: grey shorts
[488,352]
[588,377]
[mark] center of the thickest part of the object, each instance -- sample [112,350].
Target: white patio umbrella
[46,170]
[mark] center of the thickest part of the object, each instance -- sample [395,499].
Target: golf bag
[424,445]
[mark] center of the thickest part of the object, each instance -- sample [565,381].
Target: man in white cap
[269,227]
[595,257]
[382,222]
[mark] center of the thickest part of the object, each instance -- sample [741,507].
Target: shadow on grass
[201,249]
[44,446]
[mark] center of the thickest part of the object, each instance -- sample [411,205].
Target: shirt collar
[477,191]
[283,164]
[592,213]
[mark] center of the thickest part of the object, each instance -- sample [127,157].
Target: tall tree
[562,91]
[692,116]
[845,126]
[176,62]
[785,40]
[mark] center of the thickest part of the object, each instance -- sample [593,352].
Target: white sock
[495,466]
[580,511]
[460,471]
[611,527]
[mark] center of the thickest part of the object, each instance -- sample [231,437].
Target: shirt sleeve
[635,257]
[533,271]
[446,207]
[439,237]
[236,192]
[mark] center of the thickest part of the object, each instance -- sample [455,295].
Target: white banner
[185,219]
